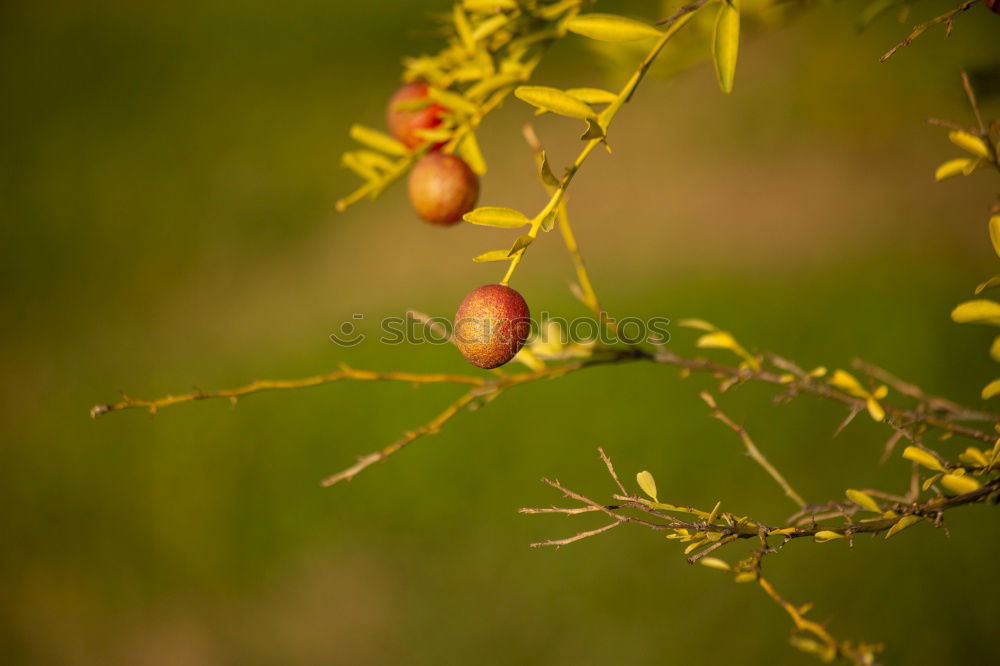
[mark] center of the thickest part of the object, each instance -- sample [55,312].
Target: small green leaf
[726,43]
[647,483]
[594,130]
[921,457]
[699,324]
[489,26]
[979,311]
[610,28]
[714,563]
[452,101]
[849,383]
[593,95]
[989,284]
[493,255]
[469,151]
[969,142]
[827,535]
[545,171]
[959,483]
[902,524]
[995,233]
[519,244]
[377,140]
[955,167]
[503,218]
[554,100]
[875,409]
[862,499]
[991,389]
[463,28]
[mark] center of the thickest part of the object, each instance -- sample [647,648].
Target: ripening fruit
[403,123]
[442,188]
[491,325]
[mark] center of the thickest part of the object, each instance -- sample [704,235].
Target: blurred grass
[168,182]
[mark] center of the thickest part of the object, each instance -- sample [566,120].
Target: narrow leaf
[593,95]
[969,142]
[902,524]
[952,168]
[545,171]
[469,151]
[503,218]
[959,484]
[991,389]
[519,244]
[647,483]
[714,563]
[979,311]
[554,100]
[995,233]
[725,44]
[610,28]
[921,457]
[493,255]
[862,499]
[377,140]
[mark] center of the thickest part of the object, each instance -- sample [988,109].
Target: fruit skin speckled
[442,188]
[403,123]
[491,325]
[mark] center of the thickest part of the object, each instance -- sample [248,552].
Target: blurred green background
[168,177]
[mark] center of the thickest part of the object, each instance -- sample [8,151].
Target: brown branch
[752,449]
[918,30]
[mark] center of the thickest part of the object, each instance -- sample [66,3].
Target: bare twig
[751,448]
[918,30]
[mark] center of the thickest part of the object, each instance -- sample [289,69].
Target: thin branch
[751,448]
[918,30]
[611,470]
[430,428]
[576,537]
[259,385]
[686,9]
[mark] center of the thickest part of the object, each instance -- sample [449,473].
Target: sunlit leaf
[555,100]
[969,142]
[494,255]
[826,535]
[377,140]
[647,483]
[979,311]
[974,456]
[469,151]
[700,324]
[593,95]
[545,171]
[849,383]
[519,244]
[959,484]
[995,233]
[489,26]
[921,457]
[991,389]
[452,101]
[725,44]
[989,284]
[714,563]
[955,167]
[462,27]
[875,409]
[503,218]
[902,524]
[610,28]
[862,499]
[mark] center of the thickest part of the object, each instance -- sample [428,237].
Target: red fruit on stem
[491,325]
[403,123]
[442,188]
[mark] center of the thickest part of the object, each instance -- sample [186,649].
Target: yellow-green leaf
[717,340]
[974,456]
[959,484]
[610,28]
[519,244]
[969,142]
[486,6]
[989,284]
[554,100]
[489,26]
[700,324]
[902,524]
[593,95]
[726,43]
[377,140]
[980,311]
[545,171]
[494,255]
[714,563]
[647,483]
[929,481]
[503,218]
[862,499]
[991,389]
[953,167]
[452,101]
[469,151]
[875,409]
[921,457]
[463,28]
[995,233]
[826,535]
[849,383]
